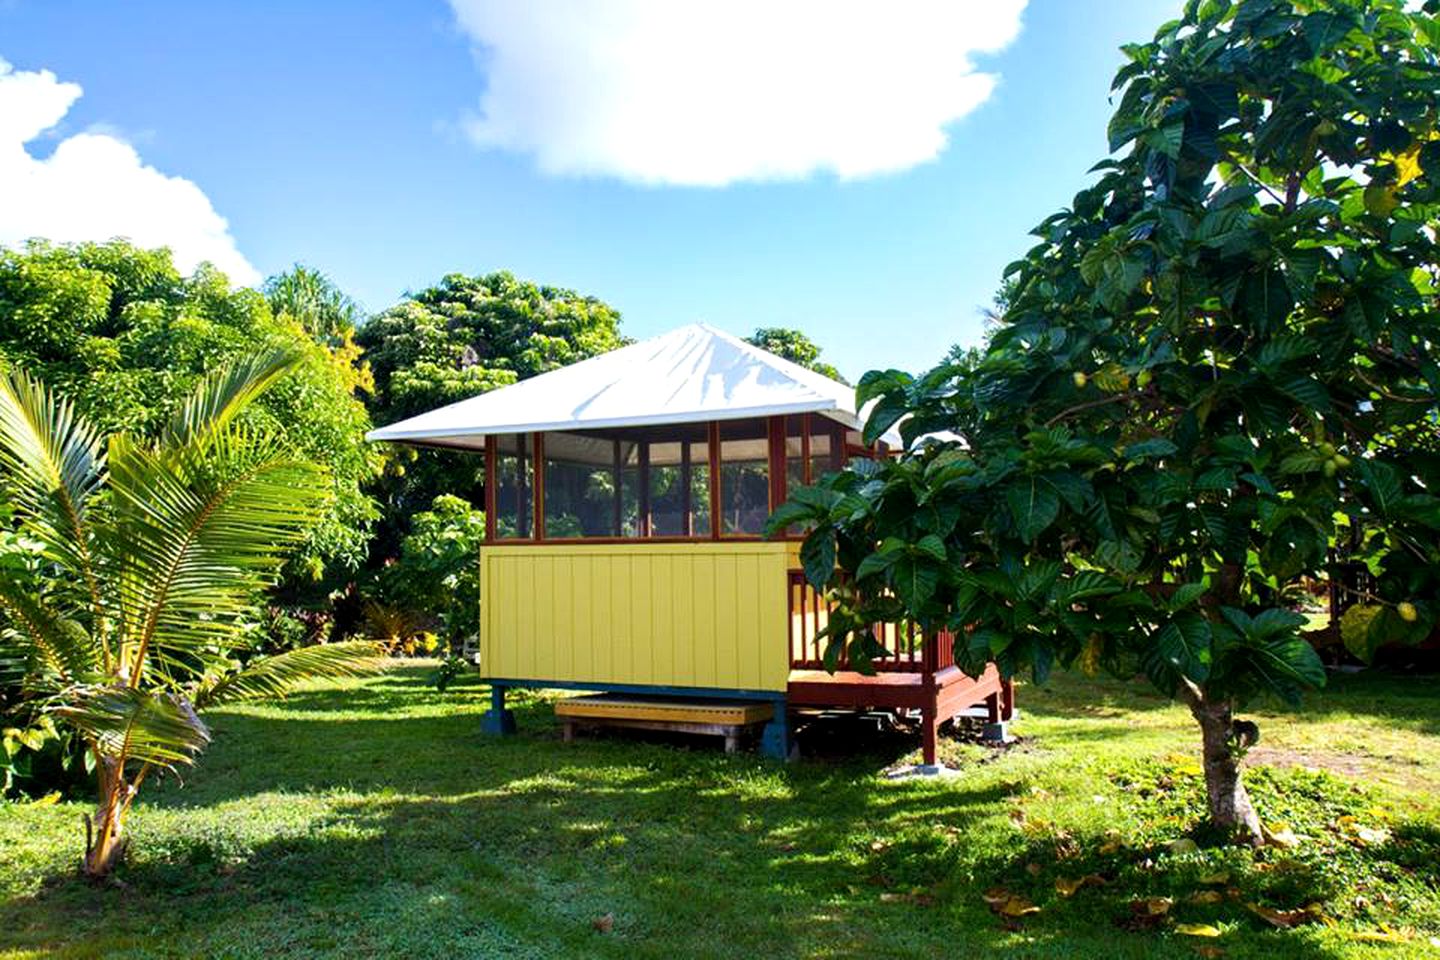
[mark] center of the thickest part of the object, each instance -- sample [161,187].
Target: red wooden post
[775,442]
[539,499]
[929,733]
[714,432]
[930,705]
[490,497]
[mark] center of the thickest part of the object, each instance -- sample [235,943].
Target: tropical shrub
[437,572]
[1218,361]
[143,560]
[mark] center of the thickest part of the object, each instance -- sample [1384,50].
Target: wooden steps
[722,718]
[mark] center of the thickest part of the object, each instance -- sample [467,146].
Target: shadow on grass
[525,847]
[424,839]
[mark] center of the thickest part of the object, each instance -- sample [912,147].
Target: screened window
[590,487]
[744,476]
[633,482]
[809,459]
[679,489]
[514,487]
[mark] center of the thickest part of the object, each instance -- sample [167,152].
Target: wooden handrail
[905,650]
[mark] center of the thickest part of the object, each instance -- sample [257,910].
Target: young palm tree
[147,556]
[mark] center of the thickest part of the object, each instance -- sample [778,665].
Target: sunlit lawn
[372,820]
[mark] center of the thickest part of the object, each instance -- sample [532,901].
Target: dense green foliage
[437,570]
[458,338]
[795,347]
[466,335]
[1218,361]
[123,334]
[137,564]
[369,819]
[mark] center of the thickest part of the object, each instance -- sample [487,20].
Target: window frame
[777,437]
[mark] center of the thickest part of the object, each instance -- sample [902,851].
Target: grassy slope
[372,820]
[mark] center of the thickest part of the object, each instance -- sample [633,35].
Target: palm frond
[51,466]
[223,394]
[43,635]
[277,675]
[197,541]
[126,724]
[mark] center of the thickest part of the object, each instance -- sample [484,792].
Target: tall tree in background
[795,347]
[119,330]
[1220,359]
[322,309]
[459,338]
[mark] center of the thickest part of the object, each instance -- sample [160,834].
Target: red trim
[776,438]
[538,501]
[619,480]
[713,429]
[643,521]
[804,450]
[567,541]
[685,478]
[490,489]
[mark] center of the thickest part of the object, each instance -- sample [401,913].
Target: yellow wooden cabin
[625,500]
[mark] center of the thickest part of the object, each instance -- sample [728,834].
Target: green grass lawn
[372,820]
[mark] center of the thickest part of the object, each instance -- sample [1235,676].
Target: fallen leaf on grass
[1018,907]
[1147,914]
[1285,919]
[1206,896]
[1008,904]
[604,924]
[1197,929]
[1368,835]
[1282,836]
[1152,906]
[1066,886]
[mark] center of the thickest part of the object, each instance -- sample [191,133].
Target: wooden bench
[719,718]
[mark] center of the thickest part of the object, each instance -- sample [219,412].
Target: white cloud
[660,91]
[94,186]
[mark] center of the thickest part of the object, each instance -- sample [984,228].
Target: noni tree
[1217,364]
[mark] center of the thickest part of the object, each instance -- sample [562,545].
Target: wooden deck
[916,673]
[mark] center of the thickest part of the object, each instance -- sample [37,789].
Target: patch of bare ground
[1401,771]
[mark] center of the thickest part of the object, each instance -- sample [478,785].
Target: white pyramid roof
[689,375]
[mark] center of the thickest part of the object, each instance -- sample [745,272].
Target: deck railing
[906,650]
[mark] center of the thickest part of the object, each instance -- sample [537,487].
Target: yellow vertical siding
[674,615]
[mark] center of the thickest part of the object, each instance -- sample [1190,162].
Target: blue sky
[354,138]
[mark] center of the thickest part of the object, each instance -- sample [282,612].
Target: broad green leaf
[932,546]
[1184,643]
[817,558]
[1154,447]
[1034,506]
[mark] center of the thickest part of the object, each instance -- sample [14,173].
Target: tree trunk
[1230,807]
[105,838]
